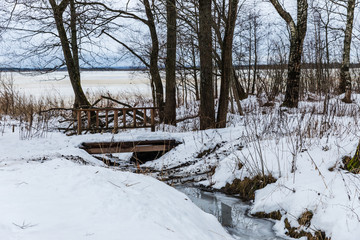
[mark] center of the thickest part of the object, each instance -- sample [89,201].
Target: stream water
[232,214]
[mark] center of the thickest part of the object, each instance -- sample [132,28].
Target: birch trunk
[345,77]
[297,36]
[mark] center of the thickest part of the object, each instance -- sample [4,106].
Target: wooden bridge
[100,119]
[129,146]
[143,151]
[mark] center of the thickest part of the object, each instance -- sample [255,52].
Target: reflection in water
[232,214]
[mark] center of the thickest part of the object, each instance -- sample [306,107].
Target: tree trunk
[239,89]
[236,92]
[255,60]
[71,53]
[250,61]
[194,70]
[207,111]
[345,77]
[154,56]
[226,64]
[170,104]
[298,33]
[294,72]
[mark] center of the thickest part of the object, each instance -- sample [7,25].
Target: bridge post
[152,120]
[116,121]
[78,117]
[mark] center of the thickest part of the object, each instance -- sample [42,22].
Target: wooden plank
[97,119]
[86,145]
[111,128]
[89,119]
[119,109]
[106,118]
[116,120]
[78,116]
[145,119]
[124,118]
[134,118]
[152,120]
[155,148]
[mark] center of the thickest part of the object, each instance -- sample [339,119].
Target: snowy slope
[311,143]
[44,195]
[59,199]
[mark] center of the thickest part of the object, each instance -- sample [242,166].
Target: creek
[232,213]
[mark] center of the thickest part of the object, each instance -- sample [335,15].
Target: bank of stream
[232,213]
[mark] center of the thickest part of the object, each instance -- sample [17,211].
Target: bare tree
[324,13]
[145,15]
[188,47]
[207,111]
[170,104]
[70,47]
[345,77]
[50,28]
[297,36]
[226,63]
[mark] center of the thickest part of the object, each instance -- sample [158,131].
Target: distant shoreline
[142,68]
[64,69]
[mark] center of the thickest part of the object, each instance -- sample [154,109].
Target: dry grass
[246,188]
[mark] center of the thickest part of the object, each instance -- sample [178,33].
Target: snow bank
[275,142]
[59,199]
[312,144]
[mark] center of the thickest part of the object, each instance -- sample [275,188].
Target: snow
[60,199]
[279,142]
[46,194]
[57,84]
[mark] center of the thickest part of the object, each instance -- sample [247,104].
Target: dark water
[232,214]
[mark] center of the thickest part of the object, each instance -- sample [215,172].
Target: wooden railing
[100,119]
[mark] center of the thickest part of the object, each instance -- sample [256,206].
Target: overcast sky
[111,54]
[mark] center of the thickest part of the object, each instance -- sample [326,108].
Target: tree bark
[297,36]
[154,56]
[70,49]
[207,111]
[239,89]
[194,70]
[170,104]
[226,64]
[345,77]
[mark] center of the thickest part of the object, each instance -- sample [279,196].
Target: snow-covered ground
[303,151]
[46,194]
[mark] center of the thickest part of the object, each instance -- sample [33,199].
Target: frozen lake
[57,84]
